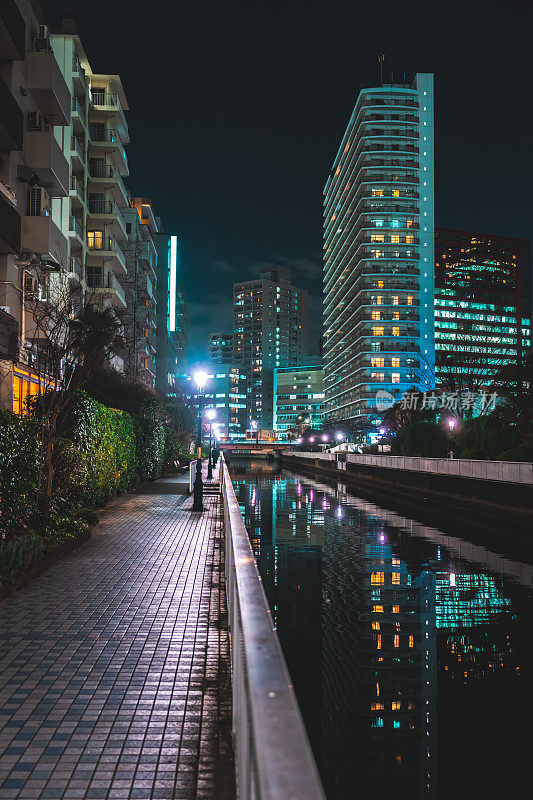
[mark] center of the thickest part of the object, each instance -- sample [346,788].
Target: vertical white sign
[173,282]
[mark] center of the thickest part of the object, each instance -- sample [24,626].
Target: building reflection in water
[369,618]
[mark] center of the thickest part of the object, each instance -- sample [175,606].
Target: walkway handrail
[273,756]
[501,471]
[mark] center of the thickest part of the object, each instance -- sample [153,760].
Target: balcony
[40,235]
[75,228]
[106,286]
[9,336]
[108,212]
[105,248]
[10,226]
[12,31]
[48,88]
[11,120]
[107,176]
[107,141]
[75,268]
[108,104]
[45,157]
[77,153]
[79,119]
[77,192]
[78,75]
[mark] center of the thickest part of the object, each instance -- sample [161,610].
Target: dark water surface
[409,646]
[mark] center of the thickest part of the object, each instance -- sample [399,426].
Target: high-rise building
[299,399]
[379,250]
[483,291]
[225,392]
[221,348]
[269,331]
[35,111]
[172,317]
[139,316]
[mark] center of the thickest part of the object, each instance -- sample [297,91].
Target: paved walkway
[114,663]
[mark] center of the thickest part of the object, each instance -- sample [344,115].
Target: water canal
[408,645]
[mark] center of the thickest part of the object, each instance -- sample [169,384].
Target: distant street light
[311,439]
[339,436]
[382,431]
[324,437]
[200,378]
[255,427]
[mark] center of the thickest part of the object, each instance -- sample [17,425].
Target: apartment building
[483,306]
[35,108]
[220,348]
[379,250]
[139,317]
[172,317]
[269,331]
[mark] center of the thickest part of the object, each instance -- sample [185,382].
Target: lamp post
[210,414]
[451,426]
[200,378]
[254,426]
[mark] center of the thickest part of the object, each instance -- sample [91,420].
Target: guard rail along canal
[273,757]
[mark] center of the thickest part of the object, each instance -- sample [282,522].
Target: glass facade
[298,399]
[482,306]
[379,251]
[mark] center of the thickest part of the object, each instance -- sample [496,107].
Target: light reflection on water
[406,644]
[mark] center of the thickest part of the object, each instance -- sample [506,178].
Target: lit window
[378,642]
[380,284]
[411,641]
[396,609]
[395,362]
[377,331]
[396,705]
[410,239]
[377,707]
[376,315]
[396,640]
[395,378]
[409,300]
[375,626]
[395,331]
[377,192]
[396,315]
[395,239]
[395,575]
[377,609]
[408,223]
[379,299]
[377,237]
[375,361]
[395,192]
[395,300]
[377,578]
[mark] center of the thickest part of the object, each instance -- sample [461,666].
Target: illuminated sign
[173,282]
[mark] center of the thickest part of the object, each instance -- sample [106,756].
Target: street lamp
[339,436]
[200,379]
[451,425]
[210,414]
[254,427]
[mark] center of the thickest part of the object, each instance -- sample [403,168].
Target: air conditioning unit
[42,40]
[38,202]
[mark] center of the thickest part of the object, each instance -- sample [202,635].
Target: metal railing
[273,756]
[192,475]
[501,471]
[78,108]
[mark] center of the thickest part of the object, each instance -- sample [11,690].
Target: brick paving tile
[114,664]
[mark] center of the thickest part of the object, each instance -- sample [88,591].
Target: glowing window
[378,610]
[377,331]
[379,299]
[396,315]
[377,192]
[395,331]
[396,705]
[375,361]
[377,706]
[409,223]
[376,315]
[395,300]
[376,626]
[395,239]
[410,239]
[411,641]
[378,642]
[380,284]
[395,575]
[377,237]
[395,192]
[409,300]
[395,378]
[396,640]
[396,609]
[395,362]
[377,578]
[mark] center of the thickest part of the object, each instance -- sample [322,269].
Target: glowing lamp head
[299,440]
[324,437]
[253,425]
[382,431]
[451,424]
[311,438]
[200,378]
[339,436]
[211,414]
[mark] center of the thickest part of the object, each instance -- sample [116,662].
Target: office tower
[483,289]
[298,399]
[225,391]
[379,249]
[172,317]
[139,316]
[221,348]
[269,331]
[34,108]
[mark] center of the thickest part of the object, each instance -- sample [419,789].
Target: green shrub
[19,472]
[425,439]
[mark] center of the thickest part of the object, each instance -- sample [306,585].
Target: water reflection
[386,626]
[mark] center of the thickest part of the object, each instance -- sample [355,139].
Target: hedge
[105,452]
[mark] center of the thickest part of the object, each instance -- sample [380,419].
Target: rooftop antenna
[381,59]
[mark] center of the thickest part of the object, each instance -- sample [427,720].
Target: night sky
[237,110]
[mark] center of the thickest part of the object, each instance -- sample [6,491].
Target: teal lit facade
[172,317]
[379,251]
[298,399]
